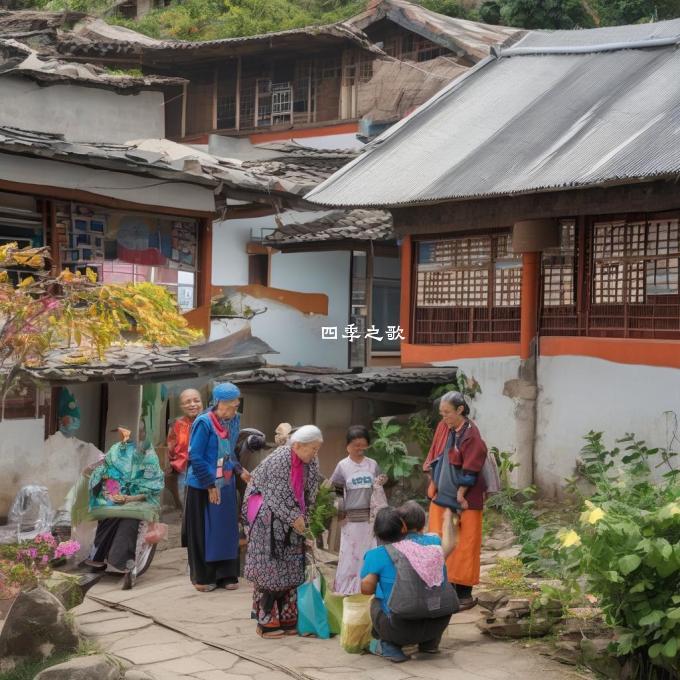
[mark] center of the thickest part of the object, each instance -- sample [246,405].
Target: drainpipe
[529,237]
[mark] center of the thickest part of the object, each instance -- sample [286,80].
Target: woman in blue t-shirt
[403,528]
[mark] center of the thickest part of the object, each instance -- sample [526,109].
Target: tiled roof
[334,380]
[297,227]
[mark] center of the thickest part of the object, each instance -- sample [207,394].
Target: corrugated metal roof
[520,124]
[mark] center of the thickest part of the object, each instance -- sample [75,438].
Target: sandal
[290,631]
[230,586]
[269,634]
[205,588]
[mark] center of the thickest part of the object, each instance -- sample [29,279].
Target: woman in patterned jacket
[279,496]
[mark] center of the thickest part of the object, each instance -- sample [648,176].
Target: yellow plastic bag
[355,635]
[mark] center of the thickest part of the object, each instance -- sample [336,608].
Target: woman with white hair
[277,501]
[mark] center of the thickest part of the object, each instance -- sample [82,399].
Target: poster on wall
[154,241]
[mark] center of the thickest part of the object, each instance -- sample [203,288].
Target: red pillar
[405,300]
[529,302]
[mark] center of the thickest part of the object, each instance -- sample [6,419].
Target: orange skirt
[463,563]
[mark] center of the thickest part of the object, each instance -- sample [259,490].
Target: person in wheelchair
[124,491]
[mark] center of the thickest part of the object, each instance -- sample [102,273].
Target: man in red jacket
[191,404]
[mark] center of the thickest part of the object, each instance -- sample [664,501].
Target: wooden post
[529,302]
[203,292]
[309,91]
[214,99]
[238,94]
[185,89]
[406,252]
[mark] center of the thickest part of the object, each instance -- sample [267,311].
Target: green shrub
[627,547]
[390,451]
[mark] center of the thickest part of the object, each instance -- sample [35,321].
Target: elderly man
[191,404]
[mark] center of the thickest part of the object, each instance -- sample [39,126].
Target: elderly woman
[124,490]
[210,528]
[456,460]
[280,494]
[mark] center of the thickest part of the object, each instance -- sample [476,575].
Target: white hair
[306,435]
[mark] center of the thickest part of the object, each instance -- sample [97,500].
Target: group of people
[377,542]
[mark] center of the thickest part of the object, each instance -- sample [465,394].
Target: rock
[97,667]
[595,656]
[488,558]
[491,599]
[136,674]
[35,625]
[510,553]
[499,543]
[70,588]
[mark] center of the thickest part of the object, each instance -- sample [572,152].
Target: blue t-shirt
[377,561]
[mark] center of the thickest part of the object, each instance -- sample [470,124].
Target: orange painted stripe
[619,350]
[424,355]
[282,135]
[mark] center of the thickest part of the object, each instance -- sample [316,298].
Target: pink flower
[45,559]
[32,553]
[66,549]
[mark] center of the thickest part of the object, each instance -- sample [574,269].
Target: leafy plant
[323,510]
[468,387]
[390,451]
[627,546]
[420,430]
[509,574]
[42,312]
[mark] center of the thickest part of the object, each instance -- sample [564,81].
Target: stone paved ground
[163,626]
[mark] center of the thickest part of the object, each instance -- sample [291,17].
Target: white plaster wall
[491,410]
[81,114]
[121,185]
[230,240]
[296,336]
[579,394]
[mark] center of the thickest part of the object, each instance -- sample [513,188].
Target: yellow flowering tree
[41,312]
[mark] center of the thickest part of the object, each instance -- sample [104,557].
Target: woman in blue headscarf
[210,529]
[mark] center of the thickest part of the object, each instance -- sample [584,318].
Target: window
[467,290]
[634,288]
[258,269]
[21,402]
[122,247]
[558,269]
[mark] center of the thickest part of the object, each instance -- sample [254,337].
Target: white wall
[491,410]
[148,191]
[579,394]
[295,335]
[81,114]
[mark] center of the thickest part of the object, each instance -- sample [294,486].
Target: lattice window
[365,70]
[460,272]
[631,261]
[558,269]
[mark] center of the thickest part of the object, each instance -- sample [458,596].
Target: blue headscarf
[225,392]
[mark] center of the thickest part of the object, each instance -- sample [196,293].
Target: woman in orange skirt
[458,438]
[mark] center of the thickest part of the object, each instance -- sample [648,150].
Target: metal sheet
[529,123]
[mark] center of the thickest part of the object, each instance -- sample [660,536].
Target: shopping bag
[312,614]
[355,635]
[334,602]
[156,532]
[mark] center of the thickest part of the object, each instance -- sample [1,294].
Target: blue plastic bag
[312,613]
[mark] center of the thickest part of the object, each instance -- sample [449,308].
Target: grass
[508,574]
[29,669]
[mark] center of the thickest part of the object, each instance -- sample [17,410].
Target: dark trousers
[193,539]
[401,632]
[116,541]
